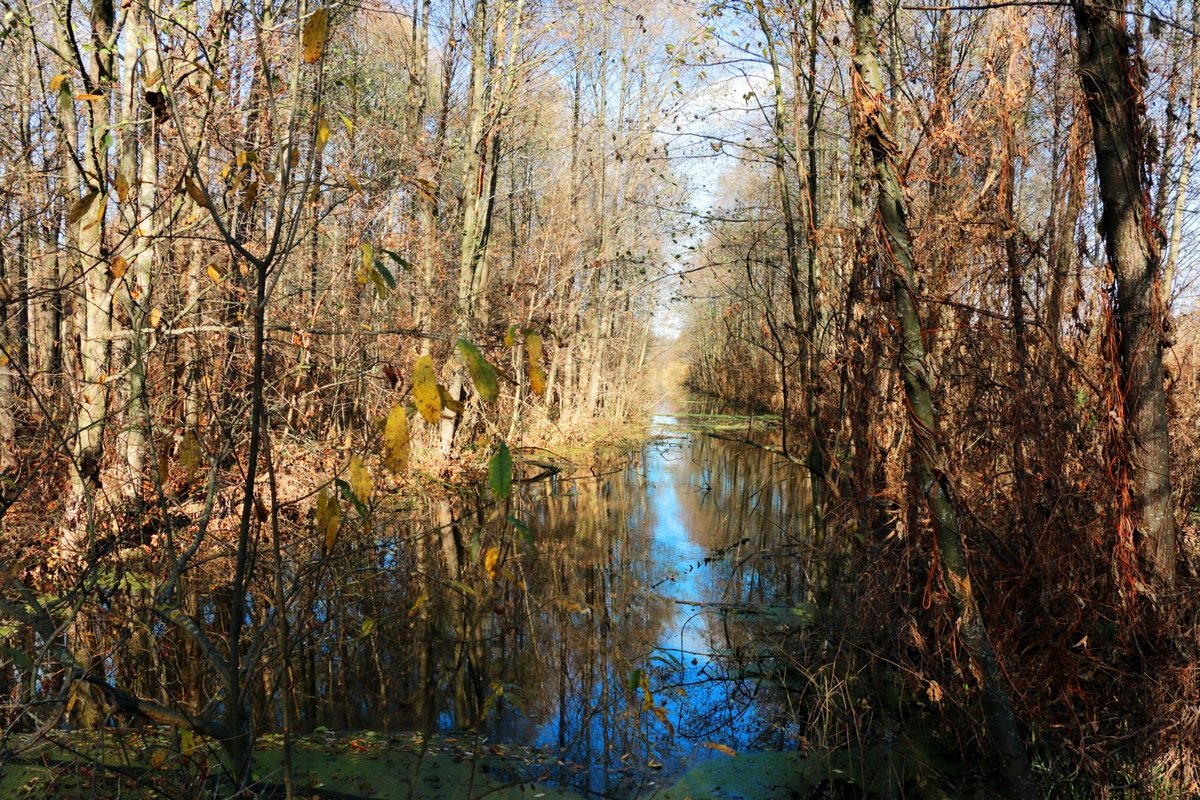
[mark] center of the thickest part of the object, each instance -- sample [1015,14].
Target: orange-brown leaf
[312,40]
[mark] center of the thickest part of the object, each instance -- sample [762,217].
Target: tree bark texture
[1111,79]
[930,453]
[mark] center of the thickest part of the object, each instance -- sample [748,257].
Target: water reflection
[600,617]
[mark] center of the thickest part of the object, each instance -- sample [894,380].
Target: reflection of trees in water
[419,630]
[595,620]
[748,508]
[457,619]
[450,616]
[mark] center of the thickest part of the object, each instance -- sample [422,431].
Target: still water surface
[613,620]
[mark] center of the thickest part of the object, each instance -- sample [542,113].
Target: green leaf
[482,373]
[348,493]
[500,472]
[368,625]
[19,658]
[521,528]
[404,263]
[466,590]
[386,274]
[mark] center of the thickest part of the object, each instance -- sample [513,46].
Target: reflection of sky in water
[707,704]
[700,700]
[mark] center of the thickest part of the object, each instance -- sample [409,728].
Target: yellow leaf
[249,195]
[348,123]
[448,402]
[533,347]
[88,96]
[396,444]
[329,515]
[661,713]
[97,216]
[312,40]
[424,597]
[368,256]
[720,748]
[360,480]
[57,81]
[190,454]
[533,353]
[155,317]
[4,359]
[537,379]
[491,557]
[118,267]
[425,390]
[322,135]
[510,336]
[214,274]
[353,183]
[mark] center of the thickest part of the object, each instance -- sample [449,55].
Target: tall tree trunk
[782,186]
[930,455]
[1062,252]
[476,195]
[1111,78]
[9,353]
[138,178]
[87,185]
[1185,163]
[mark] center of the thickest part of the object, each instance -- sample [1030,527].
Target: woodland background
[258,257]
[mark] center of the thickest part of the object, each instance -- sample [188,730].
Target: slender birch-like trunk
[929,450]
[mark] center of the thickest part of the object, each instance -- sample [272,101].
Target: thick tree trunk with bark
[1111,80]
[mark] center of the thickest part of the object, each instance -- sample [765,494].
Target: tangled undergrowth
[1105,681]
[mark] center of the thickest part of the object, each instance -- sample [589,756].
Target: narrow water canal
[624,623]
